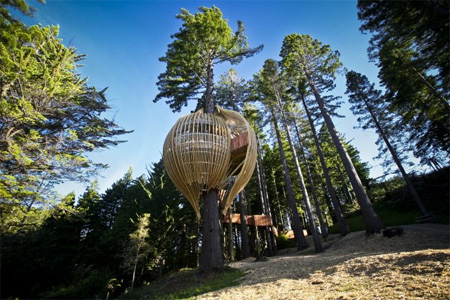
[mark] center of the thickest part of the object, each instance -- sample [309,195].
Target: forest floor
[415,265]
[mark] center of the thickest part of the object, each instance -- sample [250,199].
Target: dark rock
[394,231]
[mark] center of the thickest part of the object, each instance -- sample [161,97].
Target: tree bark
[230,236]
[134,268]
[397,161]
[326,173]
[211,252]
[295,217]
[323,227]
[372,222]
[264,199]
[348,197]
[209,100]
[317,242]
[244,228]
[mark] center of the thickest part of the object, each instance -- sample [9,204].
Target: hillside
[415,265]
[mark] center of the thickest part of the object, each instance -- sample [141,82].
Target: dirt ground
[413,266]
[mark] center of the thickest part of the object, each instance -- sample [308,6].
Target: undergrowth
[187,284]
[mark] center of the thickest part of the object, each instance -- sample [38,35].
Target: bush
[93,286]
[284,242]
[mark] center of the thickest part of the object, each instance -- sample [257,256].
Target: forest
[308,179]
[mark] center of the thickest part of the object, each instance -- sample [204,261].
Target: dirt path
[416,265]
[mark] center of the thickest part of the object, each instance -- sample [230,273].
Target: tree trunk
[323,227]
[397,161]
[244,228]
[209,100]
[326,173]
[344,182]
[295,217]
[236,243]
[134,268]
[230,237]
[264,199]
[280,213]
[211,252]
[372,222]
[317,242]
[433,90]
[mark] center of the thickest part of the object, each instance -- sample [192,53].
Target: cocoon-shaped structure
[210,151]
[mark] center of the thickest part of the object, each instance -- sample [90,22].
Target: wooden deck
[251,220]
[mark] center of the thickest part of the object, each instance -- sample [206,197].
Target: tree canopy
[50,117]
[204,39]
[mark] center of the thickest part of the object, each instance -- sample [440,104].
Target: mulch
[415,265]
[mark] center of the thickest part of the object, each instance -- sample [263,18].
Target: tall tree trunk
[230,236]
[295,217]
[244,228]
[236,243]
[317,242]
[323,227]
[264,200]
[134,267]
[397,161]
[344,182]
[372,222]
[433,90]
[211,252]
[326,173]
[280,213]
[209,100]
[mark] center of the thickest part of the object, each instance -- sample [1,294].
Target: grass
[387,212]
[187,284]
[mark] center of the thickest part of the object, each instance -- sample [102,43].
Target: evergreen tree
[317,65]
[138,246]
[409,45]
[266,88]
[421,25]
[204,40]
[50,118]
[368,103]
[277,85]
[231,91]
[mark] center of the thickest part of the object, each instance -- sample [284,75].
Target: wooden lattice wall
[198,154]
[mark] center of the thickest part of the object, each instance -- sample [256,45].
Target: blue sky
[124,39]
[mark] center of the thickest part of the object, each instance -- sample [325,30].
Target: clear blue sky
[124,39]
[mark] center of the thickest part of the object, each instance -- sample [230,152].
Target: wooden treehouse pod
[210,151]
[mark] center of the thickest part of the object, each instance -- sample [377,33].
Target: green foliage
[20,5]
[187,284]
[204,39]
[423,25]
[304,56]
[50,118]
[231,91]
[408,43]
[93,286]
[283,242]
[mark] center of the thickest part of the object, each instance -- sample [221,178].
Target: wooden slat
[251,220]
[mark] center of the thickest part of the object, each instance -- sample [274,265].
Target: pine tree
[408,44]
[50,118]
[204,40]
[317,64]
[369,104]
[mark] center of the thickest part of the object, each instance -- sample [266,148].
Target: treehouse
[210,151]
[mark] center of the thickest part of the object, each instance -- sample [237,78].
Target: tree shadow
[304,264]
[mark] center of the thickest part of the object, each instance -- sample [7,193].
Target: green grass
[187,284]
[389,215]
